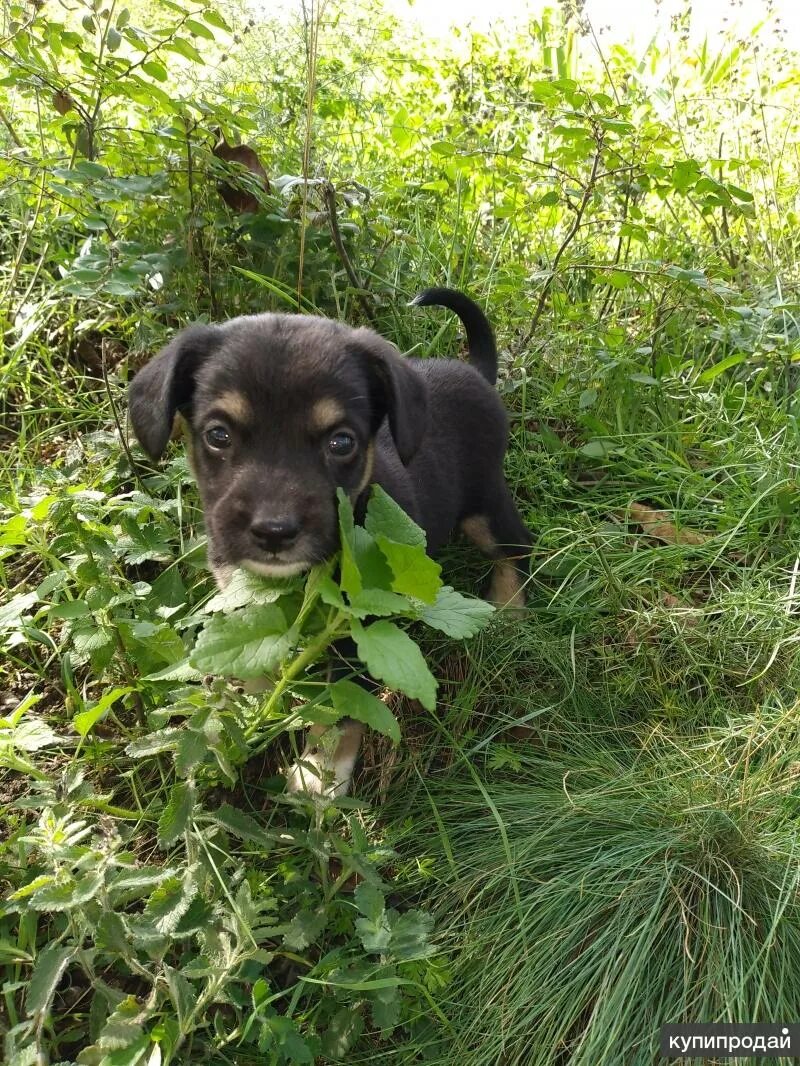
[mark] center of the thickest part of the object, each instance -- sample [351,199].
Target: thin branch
[587,195]
[329,193]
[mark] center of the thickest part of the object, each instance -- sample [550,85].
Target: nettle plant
[151,918]
[259,629]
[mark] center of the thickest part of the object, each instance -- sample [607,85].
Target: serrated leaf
[414,572]
[182,671]
[350,577]
[170,902]
[249,644]
[111,935]
[175,816]
[242,590]
[374,935]
[84,721]
[387,518]
[123,1028]
[305,928]
[292,1046]
[153,743]
[66,895]
[31,887]
[190,752]
[374,601]
[410,932]
[393,657]
[456,615]
[241,825]
[385,1005]
[51,962]
[183,993]
[69,609]
[128,885]
[344,1029]
[369,900]
[352,701]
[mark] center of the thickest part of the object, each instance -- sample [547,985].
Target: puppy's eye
[342,445]
[217,437]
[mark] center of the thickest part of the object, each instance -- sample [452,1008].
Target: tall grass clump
[592,892]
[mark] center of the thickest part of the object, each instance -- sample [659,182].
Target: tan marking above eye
[235,405]
[326,414]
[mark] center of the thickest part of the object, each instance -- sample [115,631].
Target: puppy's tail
[482,349]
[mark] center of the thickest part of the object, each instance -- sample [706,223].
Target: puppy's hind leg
[326,765]
[501,534]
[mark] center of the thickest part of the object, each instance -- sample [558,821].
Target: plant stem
[308,656]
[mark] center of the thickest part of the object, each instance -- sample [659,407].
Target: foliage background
[596,831]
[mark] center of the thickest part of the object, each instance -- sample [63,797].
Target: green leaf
[379,602]
[305,928]
[410,932]
[111,935]
[123,1028]
[153,743]
[344,1029]
[199,29]
[243,589]
[386,517]
[51,962]
[183,993]
[415,573]
[369,900]
[241,825]
[155,70]
[247,644]
[175,816]
[598,448]
[215,19]
[353,701]
[456,615]
[69,894]
[191,751]
[113,39]
[720,367]
[170,902]
[129,885]
[69,609]
[184,48]
[84,721]
[350,578]
[393,657]
[376,934]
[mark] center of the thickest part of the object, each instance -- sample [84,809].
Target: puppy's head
[282,411]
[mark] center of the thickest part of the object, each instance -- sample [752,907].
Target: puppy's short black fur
[284,409]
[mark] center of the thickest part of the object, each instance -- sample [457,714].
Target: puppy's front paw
[318,775]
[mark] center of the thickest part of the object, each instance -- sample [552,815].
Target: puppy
[285,409]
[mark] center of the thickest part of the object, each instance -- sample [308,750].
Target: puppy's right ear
[165,385]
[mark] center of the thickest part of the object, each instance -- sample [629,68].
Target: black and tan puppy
[285,409]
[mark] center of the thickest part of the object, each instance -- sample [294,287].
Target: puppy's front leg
[326,769]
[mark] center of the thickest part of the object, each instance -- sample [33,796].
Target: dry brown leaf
[659,524]
[239,199]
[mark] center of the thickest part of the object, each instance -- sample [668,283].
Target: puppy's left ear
[165,385]
[398,391]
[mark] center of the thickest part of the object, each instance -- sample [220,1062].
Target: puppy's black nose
[274,534]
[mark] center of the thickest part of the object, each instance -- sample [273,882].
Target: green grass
[595,832]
